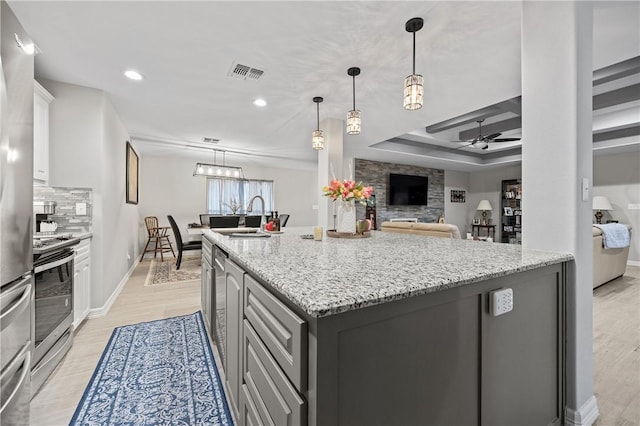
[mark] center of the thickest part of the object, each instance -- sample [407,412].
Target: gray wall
[617,177]
[183,195]
[87,149]
[376,174]
[456,213]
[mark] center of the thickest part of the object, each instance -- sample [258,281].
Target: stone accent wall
[65,215]
[376,174]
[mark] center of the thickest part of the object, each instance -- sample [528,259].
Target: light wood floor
[58,398]
[616,350]
[616,345]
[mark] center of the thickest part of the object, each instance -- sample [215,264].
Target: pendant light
[219,171]
[353,116]
[318,135]
[413,88]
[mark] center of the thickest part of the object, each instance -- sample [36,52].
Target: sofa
[442,230]
[608,264]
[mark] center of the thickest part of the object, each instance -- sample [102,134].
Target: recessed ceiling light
[260,102]
[133,75]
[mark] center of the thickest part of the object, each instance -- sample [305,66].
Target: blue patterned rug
[156,373]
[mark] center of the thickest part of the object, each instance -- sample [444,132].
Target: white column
[556,159]
[329,162]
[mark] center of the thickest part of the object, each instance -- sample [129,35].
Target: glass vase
[345,216]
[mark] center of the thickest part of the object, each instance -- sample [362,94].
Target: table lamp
[601,203]
[485,206]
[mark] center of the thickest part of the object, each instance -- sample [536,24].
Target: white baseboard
[584,416]
[633,263]
[102,311]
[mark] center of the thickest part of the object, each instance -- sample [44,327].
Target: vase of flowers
[345,216]
[344,195]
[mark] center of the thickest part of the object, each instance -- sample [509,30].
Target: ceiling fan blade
[505,140]
[464,146]
[493,135]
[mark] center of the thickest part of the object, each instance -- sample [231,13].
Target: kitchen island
[391,329]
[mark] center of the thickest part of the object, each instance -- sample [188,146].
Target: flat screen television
[407,190]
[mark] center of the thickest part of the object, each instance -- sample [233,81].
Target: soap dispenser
[276,223]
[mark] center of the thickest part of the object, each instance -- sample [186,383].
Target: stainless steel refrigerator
[16,198]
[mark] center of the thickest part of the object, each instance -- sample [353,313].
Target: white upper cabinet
[41,101]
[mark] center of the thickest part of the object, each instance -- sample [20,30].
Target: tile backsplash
[66,199]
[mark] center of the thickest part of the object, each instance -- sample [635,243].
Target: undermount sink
[229,231]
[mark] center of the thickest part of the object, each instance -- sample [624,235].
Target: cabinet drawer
[248,412]
[276,401]
[82,249]
[283,332]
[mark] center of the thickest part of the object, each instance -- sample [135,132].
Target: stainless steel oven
[52,313]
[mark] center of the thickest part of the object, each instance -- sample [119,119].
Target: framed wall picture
[458,196]
[132,175]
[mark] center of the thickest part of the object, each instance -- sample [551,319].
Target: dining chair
[252,221]
[204,218]
[224,221]
[182,246]
[158,236]
[283,220]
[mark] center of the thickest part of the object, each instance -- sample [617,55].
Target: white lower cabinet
[81,281]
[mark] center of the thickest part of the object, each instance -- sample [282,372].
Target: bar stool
[157,235]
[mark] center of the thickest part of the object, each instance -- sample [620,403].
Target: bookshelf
[511,222]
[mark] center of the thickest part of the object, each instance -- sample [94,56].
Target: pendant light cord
[318,115]
[354,92]
[414,53]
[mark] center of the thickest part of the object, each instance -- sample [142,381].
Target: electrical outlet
[314,207]
[632,206]
[501,301]
[81,209]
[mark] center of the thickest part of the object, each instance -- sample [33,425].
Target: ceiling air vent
[210,140]
[245,72]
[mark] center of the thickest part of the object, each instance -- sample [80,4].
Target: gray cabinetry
[206,280]
[521,356]
[433,359]
[234,278]
[444,358]
[248,412]
[283,332]
[270,393]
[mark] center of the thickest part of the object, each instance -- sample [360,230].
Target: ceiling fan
[482,142]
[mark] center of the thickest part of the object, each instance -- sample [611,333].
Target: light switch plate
[632,206]
[585,189]
[81,209]
[501,301]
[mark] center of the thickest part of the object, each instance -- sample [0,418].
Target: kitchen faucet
[263,221]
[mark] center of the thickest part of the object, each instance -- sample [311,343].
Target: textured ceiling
[469,53]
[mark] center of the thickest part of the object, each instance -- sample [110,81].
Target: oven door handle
[6,316]
[54,264]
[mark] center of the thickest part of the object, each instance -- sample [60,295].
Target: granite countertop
[337,275]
